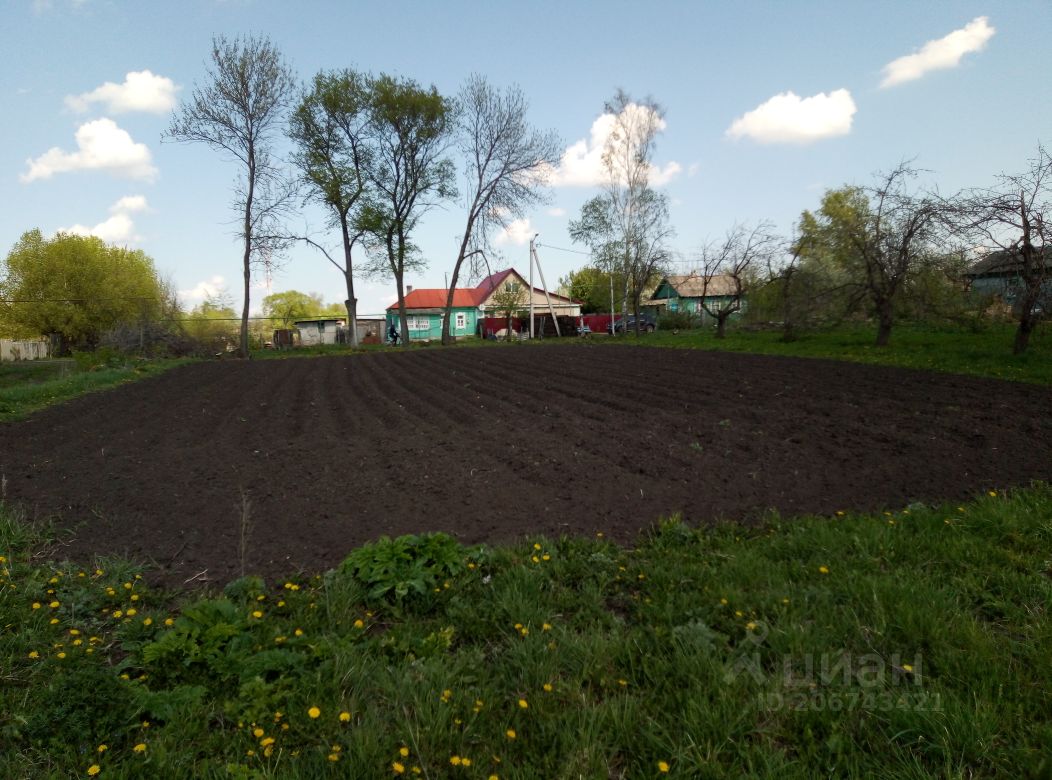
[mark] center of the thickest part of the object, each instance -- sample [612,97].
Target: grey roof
[1004,262]
[693,285]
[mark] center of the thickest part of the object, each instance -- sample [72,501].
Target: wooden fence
[37,349]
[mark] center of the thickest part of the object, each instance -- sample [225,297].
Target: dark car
[647,324]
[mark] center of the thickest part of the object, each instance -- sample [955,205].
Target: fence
[37,349]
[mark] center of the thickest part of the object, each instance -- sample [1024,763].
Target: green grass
[26,388]
[984,353]
[913,644]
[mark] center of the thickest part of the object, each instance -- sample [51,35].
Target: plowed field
[491,444]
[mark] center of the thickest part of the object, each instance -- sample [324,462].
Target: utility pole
[532,250]
[613,330]
[544,284]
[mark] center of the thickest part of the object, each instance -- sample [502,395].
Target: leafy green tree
[76,287]
[238,113]
[592,287]
[213,321]
[410,130]
[882,236]
[292,305]
[330,127]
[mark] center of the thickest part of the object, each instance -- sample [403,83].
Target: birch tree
[506,166]
[626,227]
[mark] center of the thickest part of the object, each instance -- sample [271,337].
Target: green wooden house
[687,291]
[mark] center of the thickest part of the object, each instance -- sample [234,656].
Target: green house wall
[433,332]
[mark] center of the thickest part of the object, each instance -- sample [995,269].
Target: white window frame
[418,323]
[462,320]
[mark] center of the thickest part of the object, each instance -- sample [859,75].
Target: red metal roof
[436,298]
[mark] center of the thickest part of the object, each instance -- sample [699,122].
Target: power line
[562,249]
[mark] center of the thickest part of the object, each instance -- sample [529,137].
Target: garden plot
[282,465]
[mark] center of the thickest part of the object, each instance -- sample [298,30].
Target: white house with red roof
[426,307]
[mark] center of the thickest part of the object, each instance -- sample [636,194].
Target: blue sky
[767,105]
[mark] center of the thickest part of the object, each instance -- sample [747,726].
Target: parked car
[647,324]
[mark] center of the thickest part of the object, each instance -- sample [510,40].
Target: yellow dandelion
[257,614]
[454,760]
[359,623]
[102,748]
[169,622]
[36,605]
[117,613]
[298,632]
[403,751]
[34,654]
[663,767]
[148,622]
[266,741]
[131,612]
[60,655]
[345,717]
[523,704]
[94,769]
[314,713]
[140,748]
[536,546]
[908,668]
[54,605]
[823,569]
[397,768]
[465,762]
[547,687]
[511,734]
[258,732]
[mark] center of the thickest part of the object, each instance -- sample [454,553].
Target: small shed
[320,331]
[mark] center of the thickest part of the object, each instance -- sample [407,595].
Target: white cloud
[141,91]
[946,52]
[582,162]
[119,227]
[518,232]
[788,118]
[204,289]
[557,212]
[101,146]
[130,204]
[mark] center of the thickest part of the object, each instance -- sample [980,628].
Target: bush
[678,320]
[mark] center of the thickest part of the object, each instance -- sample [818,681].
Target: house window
[462,320]
[419,323]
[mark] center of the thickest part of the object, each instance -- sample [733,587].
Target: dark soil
[492,444]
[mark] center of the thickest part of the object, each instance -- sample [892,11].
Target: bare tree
[409,133]
[330,126]
[627,226]
[1015,218]
[880,235]
[507,161]
[726,268]
[238,111]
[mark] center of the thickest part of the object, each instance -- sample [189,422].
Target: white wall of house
[320,332]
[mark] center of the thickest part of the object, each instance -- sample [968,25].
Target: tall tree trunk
[348,272]
[1022,334]
[884,322]
[721,325]
[447,337]
[247,259]
[788,334]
